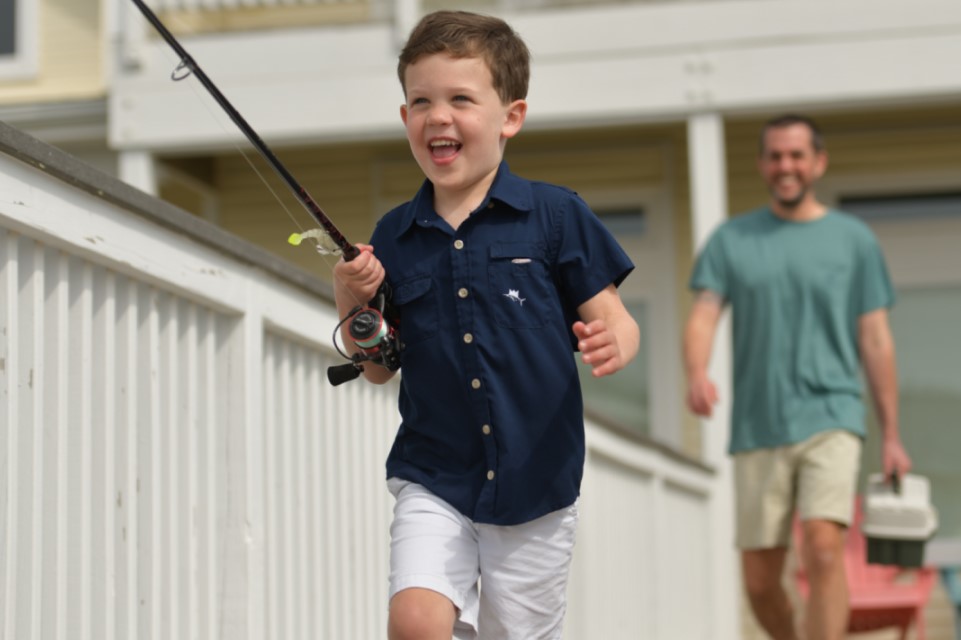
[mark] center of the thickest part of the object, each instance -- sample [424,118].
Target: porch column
[138,169]
[708,183]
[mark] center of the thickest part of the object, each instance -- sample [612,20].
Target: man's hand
[701,396]
[894,458]
[698,339]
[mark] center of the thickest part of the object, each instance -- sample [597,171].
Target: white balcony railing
[173,463]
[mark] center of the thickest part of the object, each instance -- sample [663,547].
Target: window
[8,14]
[18,41]
[903,206]
[641,397]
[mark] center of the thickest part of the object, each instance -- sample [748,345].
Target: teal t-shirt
[796,291]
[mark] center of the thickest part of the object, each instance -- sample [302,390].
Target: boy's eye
[418,101]
[461,98]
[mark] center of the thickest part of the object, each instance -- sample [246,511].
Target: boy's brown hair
[462,34]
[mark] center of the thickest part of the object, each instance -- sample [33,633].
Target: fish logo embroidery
[515,295]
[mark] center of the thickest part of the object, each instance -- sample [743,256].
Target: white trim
[23,63]
[708,189]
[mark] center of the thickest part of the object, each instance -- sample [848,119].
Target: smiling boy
[496,280]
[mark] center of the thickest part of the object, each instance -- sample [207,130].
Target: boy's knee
[420,614]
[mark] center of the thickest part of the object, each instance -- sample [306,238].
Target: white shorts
[524,567]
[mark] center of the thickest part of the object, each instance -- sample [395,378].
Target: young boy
[496,280]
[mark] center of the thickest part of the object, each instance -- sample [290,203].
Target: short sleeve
[710,269]
[874,289]
[587,258]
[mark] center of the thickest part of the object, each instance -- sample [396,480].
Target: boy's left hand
[599,347]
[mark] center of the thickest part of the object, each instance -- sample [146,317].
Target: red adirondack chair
[881,595]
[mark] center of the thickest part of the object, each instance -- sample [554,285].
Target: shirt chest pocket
[416,300]
[522,291]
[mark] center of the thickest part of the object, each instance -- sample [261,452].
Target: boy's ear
[514,118]
[403,114]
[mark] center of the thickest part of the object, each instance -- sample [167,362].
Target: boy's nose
[438,114]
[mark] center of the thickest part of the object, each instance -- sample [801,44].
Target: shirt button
[468,338]
[490,475]
[490,205]
[458,244]
[463,292]
[486,429]
[475,383]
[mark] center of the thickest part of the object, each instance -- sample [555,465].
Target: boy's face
[457,125]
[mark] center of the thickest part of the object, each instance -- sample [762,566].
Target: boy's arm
[698,340]
[355,283]
[877,353]
[607,335]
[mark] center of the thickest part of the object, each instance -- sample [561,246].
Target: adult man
[809,293]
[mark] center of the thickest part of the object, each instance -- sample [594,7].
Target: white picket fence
[174,464]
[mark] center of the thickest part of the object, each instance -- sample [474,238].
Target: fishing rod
[368,325]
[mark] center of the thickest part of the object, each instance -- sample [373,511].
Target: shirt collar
[507,188]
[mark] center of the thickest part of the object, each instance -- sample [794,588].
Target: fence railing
[173,463]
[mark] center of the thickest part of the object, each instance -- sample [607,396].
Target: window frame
[652,283]
[22,63]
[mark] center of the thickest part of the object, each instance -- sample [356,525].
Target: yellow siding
[339,179]
[909,142]
[355,185]
[70,65]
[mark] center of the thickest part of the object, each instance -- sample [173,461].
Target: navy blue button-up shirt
[491,408]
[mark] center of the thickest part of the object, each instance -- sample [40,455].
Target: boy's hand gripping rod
[376,338]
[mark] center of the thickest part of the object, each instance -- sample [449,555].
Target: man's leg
[763,570]
[827,484]
[827,607]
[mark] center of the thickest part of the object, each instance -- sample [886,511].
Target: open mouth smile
[444,148]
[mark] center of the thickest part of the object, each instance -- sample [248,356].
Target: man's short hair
[790,119]
[463,34]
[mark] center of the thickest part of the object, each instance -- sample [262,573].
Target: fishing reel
[371,330]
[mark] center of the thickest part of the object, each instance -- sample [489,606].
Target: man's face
[790,165]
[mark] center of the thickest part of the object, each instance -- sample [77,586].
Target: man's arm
[698,340]
[607,335]
[878,357]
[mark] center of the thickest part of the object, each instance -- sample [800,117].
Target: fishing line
[371,326]
[231,136]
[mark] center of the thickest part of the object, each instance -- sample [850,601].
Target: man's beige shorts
[817,477]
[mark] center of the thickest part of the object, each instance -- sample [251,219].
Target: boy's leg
[524,572]
[420,614]
[433,568]
[764,493]
[826,489]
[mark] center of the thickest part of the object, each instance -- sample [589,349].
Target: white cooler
[898,520]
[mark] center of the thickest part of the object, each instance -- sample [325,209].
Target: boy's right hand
[360,278]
